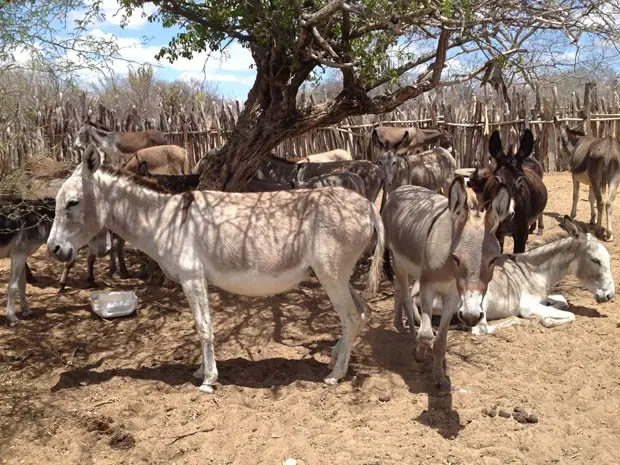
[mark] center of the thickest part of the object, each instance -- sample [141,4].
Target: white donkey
[255,244]
[449,245]
[521,283]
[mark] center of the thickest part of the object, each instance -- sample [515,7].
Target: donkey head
[593,263]
[508,160]
[78,217]
[474,247]
[388,157]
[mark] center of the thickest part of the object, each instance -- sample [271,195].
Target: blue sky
[139,41]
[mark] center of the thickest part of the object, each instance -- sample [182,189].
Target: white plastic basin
[113,304]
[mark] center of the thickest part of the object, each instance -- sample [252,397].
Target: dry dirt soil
[76,389]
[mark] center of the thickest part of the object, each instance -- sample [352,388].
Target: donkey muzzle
[604,296]
[471,311]
[63,254]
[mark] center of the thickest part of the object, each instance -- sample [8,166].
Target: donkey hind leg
[449,308]
[195,290]
[361,309]
[520,239]
[90,270]
[29,276]
[402,298]
[425,337]
[592,200]
[122,266]
[351,319]
[549,316]
[15,282]
[573,210]
[609,207]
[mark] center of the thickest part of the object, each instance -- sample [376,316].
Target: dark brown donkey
[595,162]
[525,185]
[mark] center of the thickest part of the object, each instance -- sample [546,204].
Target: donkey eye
[72,203]
[596,261]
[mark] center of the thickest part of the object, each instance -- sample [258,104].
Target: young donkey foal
[245,243]
[521,282]
[449,245]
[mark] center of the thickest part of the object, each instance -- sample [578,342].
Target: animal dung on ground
[518,414]
[113,304]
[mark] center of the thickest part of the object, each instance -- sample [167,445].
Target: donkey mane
[133,178]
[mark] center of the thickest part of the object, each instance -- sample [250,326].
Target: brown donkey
[595,162]
[391,137]
[526,187]
[164,159]
[115,143]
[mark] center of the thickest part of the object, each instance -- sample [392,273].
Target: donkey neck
[551,262]
[134,212]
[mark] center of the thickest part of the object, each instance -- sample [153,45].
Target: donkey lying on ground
[521,283]
[196,240]
[274,169]
[525,185]
[24,227]
[596,163]
[325,157]
[118,143]
[449,245]
[164,159]
[433,169]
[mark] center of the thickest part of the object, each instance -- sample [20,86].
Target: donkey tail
[374,275]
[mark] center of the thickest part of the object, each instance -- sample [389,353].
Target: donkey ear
[526,145]
[571,227]
[142,169]
[375,139]
[495,145]
[91,160]
[405,140]
[499,208]
[457,198]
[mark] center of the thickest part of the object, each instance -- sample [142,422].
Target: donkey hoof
[27,312]
[330,381]
[400,327]
[206,388]
[539,232]
[14,322]
[444,387]
[124,274]
[608,237]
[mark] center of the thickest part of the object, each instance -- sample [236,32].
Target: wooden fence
[468,116]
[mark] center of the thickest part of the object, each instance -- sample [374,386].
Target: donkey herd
[441,227]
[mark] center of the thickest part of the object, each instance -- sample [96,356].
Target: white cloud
[113,14]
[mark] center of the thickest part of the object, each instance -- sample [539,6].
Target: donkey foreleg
[66,268]
[573,210]
[556,301]
[609,207]
[402,298]
[449,308]
[549,317]
[195,290]
[483,328]
[425,336]
[90,269]
[15,283]
[29,276]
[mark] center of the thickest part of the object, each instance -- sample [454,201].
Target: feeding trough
[113,304]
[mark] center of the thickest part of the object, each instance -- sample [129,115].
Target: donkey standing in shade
[449,245]
[115,143]
[521,282]
[595,162]
[24,226]
[244,243]
[433,169]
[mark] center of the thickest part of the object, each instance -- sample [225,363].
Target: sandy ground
[78,389]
